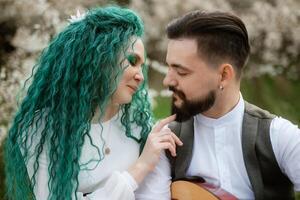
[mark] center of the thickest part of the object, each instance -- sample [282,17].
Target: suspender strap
[250,126]
[185,131]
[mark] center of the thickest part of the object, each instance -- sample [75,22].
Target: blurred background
[271,77]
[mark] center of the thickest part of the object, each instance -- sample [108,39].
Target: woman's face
[132,76]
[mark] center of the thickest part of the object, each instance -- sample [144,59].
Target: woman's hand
[160,138]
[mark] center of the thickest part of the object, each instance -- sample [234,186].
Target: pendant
[107,150]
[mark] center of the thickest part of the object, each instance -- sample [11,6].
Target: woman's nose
[139,76]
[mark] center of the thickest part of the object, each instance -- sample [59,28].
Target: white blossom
[75,18]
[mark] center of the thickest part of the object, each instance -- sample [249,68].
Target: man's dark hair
[220,36]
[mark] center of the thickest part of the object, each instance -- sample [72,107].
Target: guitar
[190,190]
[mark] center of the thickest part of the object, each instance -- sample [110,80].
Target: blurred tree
[271,77]
[273,34]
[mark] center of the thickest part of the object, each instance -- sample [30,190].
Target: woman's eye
[132,60]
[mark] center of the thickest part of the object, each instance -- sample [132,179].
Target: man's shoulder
[258,112]
[176,127]
[282,124]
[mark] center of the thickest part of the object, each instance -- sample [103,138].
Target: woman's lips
[134,88]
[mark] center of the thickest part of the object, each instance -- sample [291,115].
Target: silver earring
[221,87]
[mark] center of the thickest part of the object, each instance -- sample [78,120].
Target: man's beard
[190,108]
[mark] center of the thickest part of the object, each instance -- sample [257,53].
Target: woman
[85,119]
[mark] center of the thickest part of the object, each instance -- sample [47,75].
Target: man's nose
[168,80]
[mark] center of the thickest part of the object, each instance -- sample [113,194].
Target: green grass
[276,95]
[162,108]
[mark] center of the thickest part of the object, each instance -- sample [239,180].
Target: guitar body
[186,190]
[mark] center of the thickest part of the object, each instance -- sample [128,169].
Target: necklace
[107,150]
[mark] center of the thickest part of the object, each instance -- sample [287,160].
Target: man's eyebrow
[178,66]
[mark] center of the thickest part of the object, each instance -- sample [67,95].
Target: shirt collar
[232,116]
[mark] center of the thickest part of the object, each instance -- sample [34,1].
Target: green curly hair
[72,78]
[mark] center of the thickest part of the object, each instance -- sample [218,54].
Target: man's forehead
[181,51]
[183,43]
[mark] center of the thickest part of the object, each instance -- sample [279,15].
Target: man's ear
[227,74]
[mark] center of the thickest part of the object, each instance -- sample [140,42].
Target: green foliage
[275,94]
[297,195]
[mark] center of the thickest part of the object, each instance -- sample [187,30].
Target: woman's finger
[168,138]
[174,136]
[176,139]
[163,123]
[167,145]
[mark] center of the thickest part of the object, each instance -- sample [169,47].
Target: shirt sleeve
[285,139]
[120,185]
[156,184]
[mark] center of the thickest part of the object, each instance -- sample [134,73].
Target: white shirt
[107,180]
[217,155]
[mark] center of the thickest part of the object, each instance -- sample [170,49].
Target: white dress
[107,179]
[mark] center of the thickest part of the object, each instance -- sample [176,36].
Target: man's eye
[132,59]
[182,73]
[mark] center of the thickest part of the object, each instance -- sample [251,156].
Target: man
[226,141]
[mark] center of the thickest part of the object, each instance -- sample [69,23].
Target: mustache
[178,92]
